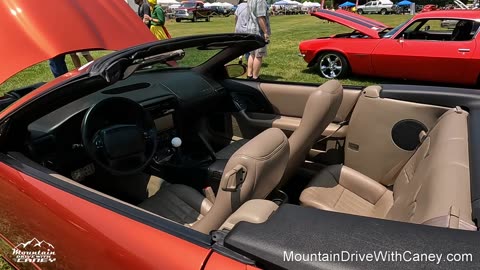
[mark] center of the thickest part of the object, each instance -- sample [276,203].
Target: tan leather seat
[433,187]
[253,171]
[320,110]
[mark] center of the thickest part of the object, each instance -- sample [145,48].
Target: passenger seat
[433,188]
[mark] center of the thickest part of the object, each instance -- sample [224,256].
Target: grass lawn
[282,63]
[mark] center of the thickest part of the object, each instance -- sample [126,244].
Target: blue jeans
[58,65]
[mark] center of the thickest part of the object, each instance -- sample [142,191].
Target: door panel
[287,104]
[423,60]
[86,235]
[290,100]
[369,147]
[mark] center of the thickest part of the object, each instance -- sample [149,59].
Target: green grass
[4,265]
[282,63]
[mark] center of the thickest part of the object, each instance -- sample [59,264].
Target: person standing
[241,21]
[259,24]
[58,66]
[143,9]
[157,20]
[76,59]
[241,17]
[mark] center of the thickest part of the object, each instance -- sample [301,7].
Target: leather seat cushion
[230,149]
[178,203]
[342,189]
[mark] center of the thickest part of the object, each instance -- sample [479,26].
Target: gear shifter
[176,142]
[177,156]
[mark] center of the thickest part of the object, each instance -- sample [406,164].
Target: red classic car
[132,163]
[419,49]
[428,8]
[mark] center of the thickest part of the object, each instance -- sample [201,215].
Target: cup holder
[279,197]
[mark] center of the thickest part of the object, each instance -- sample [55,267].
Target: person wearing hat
[157,21]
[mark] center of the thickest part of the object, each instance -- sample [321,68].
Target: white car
[382,7]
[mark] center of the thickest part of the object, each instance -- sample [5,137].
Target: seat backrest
[434,186]
[252,172]
[320,110]
[462,31]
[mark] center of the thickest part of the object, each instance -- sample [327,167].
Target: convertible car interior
[218,154]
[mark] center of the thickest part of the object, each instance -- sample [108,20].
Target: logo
[34,251]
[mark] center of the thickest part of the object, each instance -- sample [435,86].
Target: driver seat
[462,31]
[252,172]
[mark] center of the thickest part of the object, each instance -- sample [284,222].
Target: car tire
[178,20]
[383,11]
[360,11]
[332,65]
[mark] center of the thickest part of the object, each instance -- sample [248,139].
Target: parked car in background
[428,8]
[382,7]
[192,11]
[405,52]
[221,11]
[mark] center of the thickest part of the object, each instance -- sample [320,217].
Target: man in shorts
[258,24]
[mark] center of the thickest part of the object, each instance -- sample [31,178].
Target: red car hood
[357,22]
[34,31]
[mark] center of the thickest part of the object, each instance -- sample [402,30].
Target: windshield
[188,5]
[182,58]
[395,30]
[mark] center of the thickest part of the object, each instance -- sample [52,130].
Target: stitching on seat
[406,175]
[339,197]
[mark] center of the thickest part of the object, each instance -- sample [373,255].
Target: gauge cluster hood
[34,31]
[357,22]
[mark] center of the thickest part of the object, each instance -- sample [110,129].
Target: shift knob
[176,142]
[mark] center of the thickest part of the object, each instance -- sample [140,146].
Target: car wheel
[360,11]
[383,11]
[178,20]
[332,65]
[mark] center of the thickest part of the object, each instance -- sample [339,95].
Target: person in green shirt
[157,21]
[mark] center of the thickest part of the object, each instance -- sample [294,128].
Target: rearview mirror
[427,28]
[235,70]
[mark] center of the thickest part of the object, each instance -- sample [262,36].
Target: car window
[415,26]
[187,5]
[392,32]
[368,4]
[441,30]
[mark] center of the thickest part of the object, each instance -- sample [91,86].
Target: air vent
[125,89]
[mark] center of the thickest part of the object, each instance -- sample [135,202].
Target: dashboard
[55,139]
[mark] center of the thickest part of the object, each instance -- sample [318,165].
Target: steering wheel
[119,135]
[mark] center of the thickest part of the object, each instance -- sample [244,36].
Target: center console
[173,161]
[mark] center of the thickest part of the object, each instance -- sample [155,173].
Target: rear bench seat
[433,188]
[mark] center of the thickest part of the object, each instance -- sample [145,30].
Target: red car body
[80,230]
[370,51]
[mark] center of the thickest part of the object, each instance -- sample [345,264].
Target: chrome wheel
[331,66]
